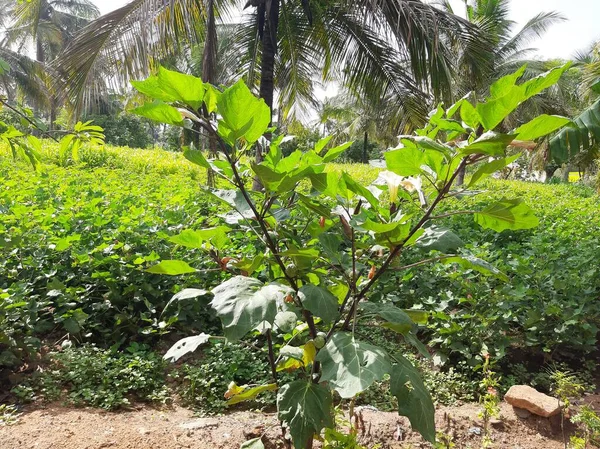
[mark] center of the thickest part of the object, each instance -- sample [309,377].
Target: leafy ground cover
[75,241]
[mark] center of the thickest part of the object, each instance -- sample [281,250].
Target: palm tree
[378,46]
[509,51]
[579,143]
[47,26]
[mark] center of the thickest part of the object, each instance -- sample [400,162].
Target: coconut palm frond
[129,39]
[534,29]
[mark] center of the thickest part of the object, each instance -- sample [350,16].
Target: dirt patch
[57,427]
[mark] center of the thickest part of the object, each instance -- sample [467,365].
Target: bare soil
[59,427]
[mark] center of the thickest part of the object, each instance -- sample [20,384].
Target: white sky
[561,41]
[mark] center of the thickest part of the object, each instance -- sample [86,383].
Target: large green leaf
[581,137]
[153,88]
[490,143]
[469,115]
[184,88]
[414,401]
[160,112]
[540,126]
[439,239]
[246,393]
[171,267]
[351,366]
[396,319]
[333,153]
[242,303]
[389,234]
[473,263]
[196,157]
[507,214]
[305,408]
[507,95]
[172,87]
[187,293]
[319,301]
[190,238]
[410,161]
[492,167]
[405,161]
[242,114]
[185,346]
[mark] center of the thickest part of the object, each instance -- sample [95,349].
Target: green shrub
[124,130]
[91,376]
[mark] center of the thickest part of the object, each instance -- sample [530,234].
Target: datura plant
[314,245]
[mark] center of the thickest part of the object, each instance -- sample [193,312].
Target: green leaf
[242,303]
[473,263]
[414,401]
[492,167]
[439,239]
[185,346]
[397,319]
[160,112]
[359,189]
[351,366]
[286,321]
[248,394]
[405,161]
[153,88]
[507,96]
[196,157]
[322,143]
[184,88]
[217,237]
[469,115]
[490,143]
[319,301]
[389,234]
[334,152]
[171,267]
[583,135]
[211,97]
[242,115]
[504,85]
[4,67]
[305,408]
[255,443]
[507,214]
[187,293]
[427,143]
[540,126]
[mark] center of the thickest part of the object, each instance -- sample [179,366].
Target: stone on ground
[525,397]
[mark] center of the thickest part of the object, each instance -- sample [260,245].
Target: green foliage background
[75,241]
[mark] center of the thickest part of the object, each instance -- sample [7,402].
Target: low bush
[102,378]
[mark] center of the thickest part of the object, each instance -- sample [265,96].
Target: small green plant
[565,387]
[444,441]
[589,420]
[490,398]
[24,144]
[91,376]
[323,241]
[9,414]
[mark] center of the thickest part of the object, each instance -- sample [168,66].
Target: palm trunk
[267,75]
[209,61]
[366,148]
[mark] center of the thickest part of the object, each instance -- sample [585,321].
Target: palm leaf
[572,140]
[129,39]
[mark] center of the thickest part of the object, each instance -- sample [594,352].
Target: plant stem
[398,249]
[271,356]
